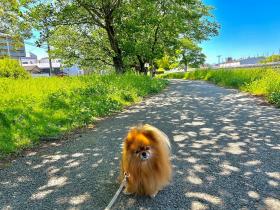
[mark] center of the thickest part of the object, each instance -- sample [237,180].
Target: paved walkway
[226,155]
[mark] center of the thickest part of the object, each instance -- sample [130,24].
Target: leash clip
[126,175]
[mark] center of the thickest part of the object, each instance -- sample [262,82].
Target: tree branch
[92,13]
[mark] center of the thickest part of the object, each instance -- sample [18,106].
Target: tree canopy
[12,21]
[120,33]
[190,53]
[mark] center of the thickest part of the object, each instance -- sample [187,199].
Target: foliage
[190,53]
[187,54]
[85,16]
[87,51]
[174,75]
[258,81]
[167,62]
[160,71]
[11,20]
[122,33]
[270,59]
[45,107]
[155,28]
[11,68]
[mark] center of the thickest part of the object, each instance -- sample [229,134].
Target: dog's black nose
[144,154]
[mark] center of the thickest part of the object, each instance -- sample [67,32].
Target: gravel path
[226,155]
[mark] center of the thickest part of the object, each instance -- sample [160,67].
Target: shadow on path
[226,155]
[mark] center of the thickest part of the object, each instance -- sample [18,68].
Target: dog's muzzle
[145,155]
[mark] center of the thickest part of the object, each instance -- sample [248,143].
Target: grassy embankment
[45,107]
[259,81]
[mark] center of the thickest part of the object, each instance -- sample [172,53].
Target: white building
[30,59]
[230,64]
[9,47]
[250,61]
[44,64]
[32,62]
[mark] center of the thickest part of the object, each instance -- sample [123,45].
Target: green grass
[46,107]
[258,81]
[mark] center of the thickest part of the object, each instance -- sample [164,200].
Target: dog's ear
[132,134]
[130,137]
[150,134]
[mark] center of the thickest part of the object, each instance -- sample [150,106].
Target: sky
[248,28]
[31,47]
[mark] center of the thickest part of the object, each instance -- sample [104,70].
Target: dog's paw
[154,195]
[126,192]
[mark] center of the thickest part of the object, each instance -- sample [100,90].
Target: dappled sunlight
[80,199]
[225,155]
[54,182]
[204,196]
[252,163]
[40,195]
[235,148]
[196,205]
[192,160]
[74,200]
[253,194]
[275,175]
[272,203]
[53,158]
[179,138]
[227,169]
[273,183]
[200,168]
[193,178]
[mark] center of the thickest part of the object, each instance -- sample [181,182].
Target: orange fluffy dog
[146,159]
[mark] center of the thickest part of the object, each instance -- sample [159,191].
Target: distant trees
[167,62]
[190,54]
[272,58]
[122,34]
[187,54]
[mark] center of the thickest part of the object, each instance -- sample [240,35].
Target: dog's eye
[148,147]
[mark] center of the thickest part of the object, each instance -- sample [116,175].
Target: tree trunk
[142,65]
[118,64]
[153,72]
[186,68]
[117,59]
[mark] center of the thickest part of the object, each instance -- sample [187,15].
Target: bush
[12,69]
[160,71]
[46,107]
[177,75]
[270,59]
[274,98]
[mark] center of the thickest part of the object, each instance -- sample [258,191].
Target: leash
[124,181]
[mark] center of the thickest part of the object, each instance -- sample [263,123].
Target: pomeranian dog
[146,160]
